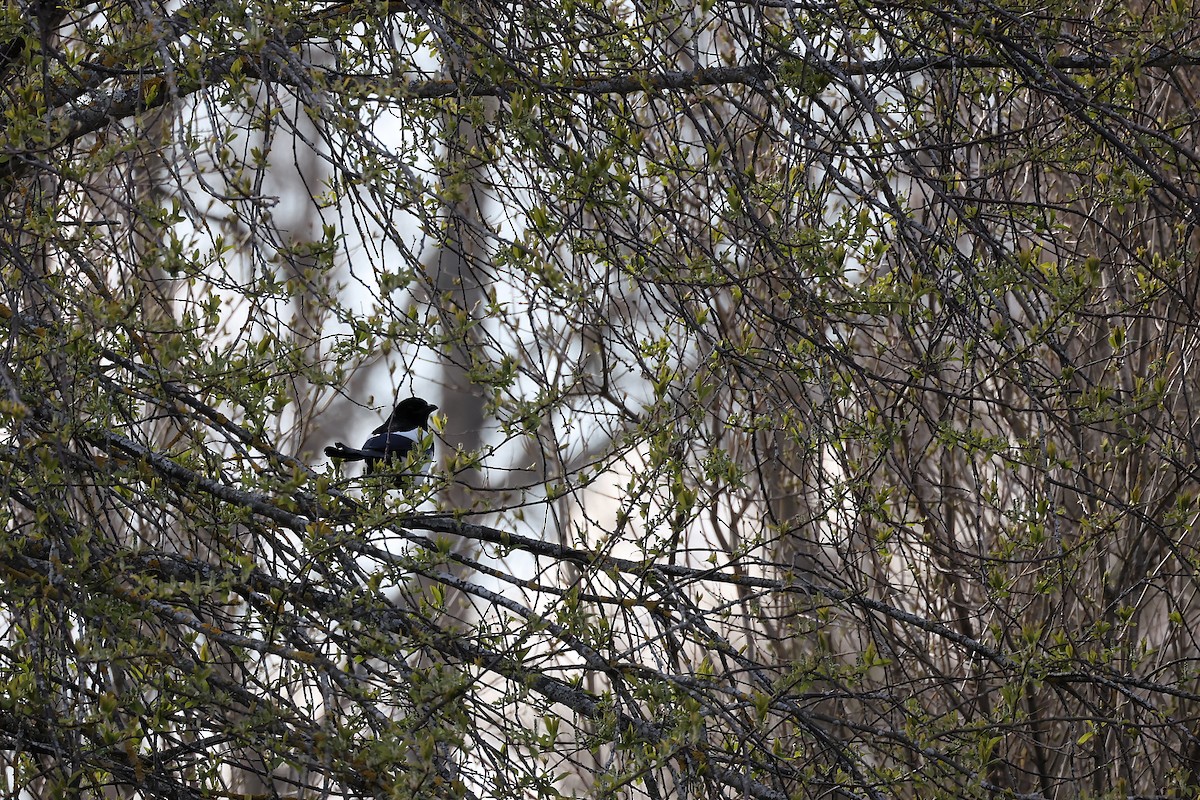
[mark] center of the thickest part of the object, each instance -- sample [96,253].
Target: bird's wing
[394,443]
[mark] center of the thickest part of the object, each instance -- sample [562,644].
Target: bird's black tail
[344,452]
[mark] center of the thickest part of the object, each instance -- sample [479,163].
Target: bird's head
[415,408]
[408,414]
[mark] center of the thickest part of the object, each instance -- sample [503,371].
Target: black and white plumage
[391,441]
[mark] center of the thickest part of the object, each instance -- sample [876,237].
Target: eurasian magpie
[392,440]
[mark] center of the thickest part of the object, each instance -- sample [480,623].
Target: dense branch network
[837,367]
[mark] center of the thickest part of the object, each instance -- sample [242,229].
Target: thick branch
[77,119]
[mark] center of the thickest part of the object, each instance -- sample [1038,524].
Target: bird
[391,441]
